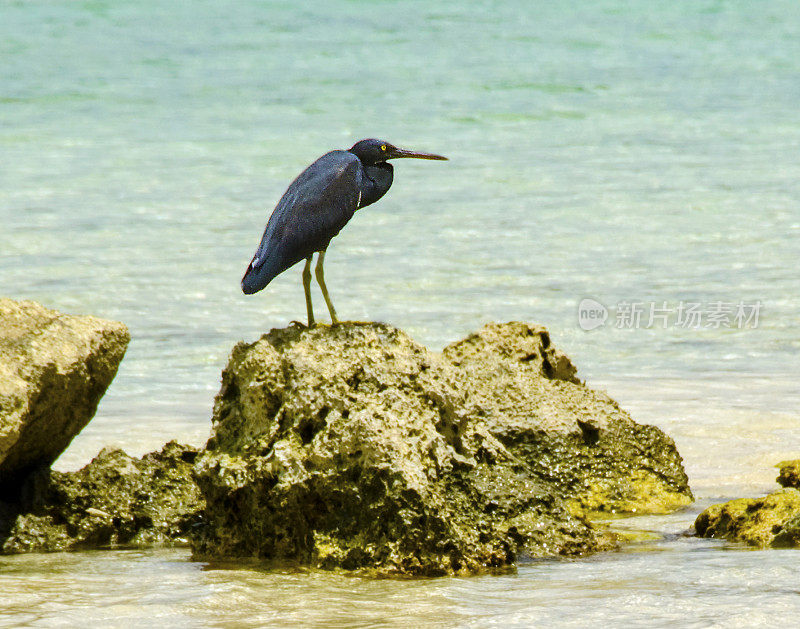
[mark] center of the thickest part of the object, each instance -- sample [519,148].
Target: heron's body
[315,208]
[312,211]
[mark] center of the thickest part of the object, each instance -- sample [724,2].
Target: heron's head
[372,151]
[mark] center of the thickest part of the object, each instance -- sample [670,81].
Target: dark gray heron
[315,208]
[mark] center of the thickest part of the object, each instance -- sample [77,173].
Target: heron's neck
[377,182]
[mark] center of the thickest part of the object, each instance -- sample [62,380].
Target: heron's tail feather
[260,273]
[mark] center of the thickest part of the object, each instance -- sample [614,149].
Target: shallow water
[679,582]
[624,152]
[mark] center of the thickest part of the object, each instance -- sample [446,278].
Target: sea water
[639,158]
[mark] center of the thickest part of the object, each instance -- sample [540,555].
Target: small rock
[115,500]
[770,521]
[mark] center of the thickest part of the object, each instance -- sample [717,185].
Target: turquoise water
[625,152]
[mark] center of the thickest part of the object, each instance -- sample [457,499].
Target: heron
[315,208]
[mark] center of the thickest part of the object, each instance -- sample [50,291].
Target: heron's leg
[307,289]
[320,273]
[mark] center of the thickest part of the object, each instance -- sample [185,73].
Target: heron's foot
[314,324]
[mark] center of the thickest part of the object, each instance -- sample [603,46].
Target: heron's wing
[311,212]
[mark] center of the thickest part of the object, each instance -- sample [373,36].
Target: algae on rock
[354,447]
[772,521]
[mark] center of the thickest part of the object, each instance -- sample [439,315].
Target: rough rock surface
[772,521]
[355,447]
[527,396]
[54,368]
[115,500]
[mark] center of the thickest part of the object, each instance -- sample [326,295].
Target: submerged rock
[772,521]
[789,474]
[354,447]
[54,368]
[116,500]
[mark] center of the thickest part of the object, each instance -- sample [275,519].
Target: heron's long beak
[404,153]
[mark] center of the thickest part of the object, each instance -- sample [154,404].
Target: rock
[115,500]
[789,534]
[526,394]
[789,475]
[54,368]
[769,522]
[354,447]
[754,521]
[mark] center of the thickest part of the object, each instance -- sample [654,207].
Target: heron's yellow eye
[383,147]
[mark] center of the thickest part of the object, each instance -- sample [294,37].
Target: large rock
[116,500]
[355,447]
[54,368]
